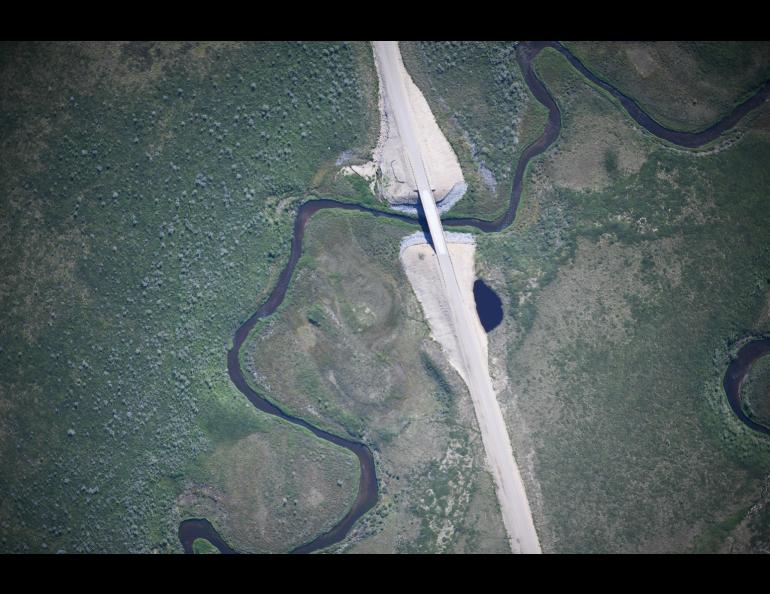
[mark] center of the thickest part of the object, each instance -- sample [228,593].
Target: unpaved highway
[510,489]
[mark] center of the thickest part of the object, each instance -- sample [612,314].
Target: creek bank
[736,374]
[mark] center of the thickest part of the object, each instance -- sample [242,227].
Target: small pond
[488,305]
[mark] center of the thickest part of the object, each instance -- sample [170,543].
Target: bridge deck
[510,488]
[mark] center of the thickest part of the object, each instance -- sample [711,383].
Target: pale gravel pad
[421,266]
[514,505]
[396,180]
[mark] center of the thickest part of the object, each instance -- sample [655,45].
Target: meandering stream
[737,372]
[191,529]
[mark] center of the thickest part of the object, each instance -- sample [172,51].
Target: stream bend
[191,529]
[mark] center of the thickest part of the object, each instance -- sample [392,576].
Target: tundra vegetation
[685,85]
[350,351]
[485,109]
[632,274]
[201,546]
[147,194]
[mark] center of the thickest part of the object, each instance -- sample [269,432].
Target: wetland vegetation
[632,273]
[148,193]
[632,276]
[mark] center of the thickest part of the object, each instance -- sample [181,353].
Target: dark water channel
[736,374]
[191,529]
[194,528]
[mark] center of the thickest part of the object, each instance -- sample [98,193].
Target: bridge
[514,505]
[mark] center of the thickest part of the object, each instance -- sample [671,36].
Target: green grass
[148,194]
[201,546]
[272,489]
[369,371]
[625,293]
[147,206]
[484,108]
[713,537]
[685,85]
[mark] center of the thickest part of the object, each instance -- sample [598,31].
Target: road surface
[510,488]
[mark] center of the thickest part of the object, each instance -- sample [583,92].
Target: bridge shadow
[423,222]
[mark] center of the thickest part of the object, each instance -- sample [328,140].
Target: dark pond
[488,305]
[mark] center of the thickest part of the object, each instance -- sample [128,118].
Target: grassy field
[484,108]
[350,351]
[685,85]
[201,546]
[147,193]
[631,273]
[268,486]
